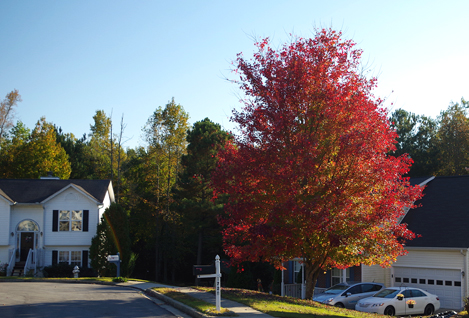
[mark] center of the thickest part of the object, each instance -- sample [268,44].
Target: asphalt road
[51,299]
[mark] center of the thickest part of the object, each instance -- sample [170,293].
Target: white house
[48,221]
[437,260]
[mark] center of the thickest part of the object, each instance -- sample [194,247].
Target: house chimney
[50,176]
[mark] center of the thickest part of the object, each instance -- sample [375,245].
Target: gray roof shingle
[442,219]
[37,190]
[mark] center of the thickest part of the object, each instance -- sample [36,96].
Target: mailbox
[203,269]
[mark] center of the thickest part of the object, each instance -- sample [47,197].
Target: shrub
[58,270]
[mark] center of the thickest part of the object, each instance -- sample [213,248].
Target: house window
[28,226]
[79,258]
[297,272]
[337,275]
[64,257]
[70,257]
[75,258]
[75,220]
[70,220]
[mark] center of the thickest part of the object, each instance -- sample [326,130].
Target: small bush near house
[87,272]
[466,304]
[58,270]
[66,270]
[3,269]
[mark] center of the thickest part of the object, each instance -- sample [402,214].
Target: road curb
[176,304]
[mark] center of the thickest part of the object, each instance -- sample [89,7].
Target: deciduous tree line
[437,146]
[165,219]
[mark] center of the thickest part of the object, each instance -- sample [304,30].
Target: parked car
[346,294]
[400,301]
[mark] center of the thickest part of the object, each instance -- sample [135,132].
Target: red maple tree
[310,175]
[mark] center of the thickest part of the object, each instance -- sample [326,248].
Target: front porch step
[18,270]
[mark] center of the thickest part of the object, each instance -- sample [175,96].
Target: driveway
[54,299]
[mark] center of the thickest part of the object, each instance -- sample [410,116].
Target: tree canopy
[32,155]
[416,138]
[310,176]
[7,109]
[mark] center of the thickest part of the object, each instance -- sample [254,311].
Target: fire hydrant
[75,271]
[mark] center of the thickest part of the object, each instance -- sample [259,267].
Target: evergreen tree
[112,236]
[194,191]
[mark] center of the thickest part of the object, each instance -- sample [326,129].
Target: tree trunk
[157,259]
[199,255]
[311,276]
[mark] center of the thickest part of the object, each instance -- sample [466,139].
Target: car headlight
[377,305]
[329,300]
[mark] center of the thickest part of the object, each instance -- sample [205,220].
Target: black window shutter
[84,259]
[55,220]
[86,216]
[55,256]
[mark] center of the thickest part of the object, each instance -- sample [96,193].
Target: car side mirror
[400,298]
[348,294]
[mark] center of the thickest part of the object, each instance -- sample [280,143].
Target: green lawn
[278,306]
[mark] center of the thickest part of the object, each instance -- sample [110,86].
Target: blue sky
[71,58]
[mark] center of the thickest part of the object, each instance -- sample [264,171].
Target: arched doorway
[27,238]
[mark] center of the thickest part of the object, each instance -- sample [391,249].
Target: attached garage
[445,283]
[438,257]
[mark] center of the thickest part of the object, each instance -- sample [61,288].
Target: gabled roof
[38,190]
[442,219]
[5,196]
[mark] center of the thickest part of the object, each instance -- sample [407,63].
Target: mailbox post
[201,272]
[116,260]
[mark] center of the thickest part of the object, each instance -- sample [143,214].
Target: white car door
[421,300]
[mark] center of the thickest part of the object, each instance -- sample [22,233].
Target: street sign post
[116,260]
[202,271]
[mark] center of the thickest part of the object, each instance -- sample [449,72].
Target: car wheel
[389,311]
[340,305]
[429,310]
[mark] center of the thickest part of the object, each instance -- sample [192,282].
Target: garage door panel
[445,283]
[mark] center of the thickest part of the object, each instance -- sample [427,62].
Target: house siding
[4,222]
[417,258]
[377,274]
[70,199]
[22,212]
[432,258]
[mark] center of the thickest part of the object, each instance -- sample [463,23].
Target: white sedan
[400,301]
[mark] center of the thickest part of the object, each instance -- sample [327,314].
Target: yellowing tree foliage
[32,155]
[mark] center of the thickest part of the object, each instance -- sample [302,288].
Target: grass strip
[287,307]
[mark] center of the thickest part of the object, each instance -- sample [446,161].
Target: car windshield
[334,290]
[387,293]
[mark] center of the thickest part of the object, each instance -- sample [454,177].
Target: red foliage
[311,176]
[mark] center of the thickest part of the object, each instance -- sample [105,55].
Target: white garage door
[445,283]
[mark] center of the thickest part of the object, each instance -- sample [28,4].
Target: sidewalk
[185,311]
